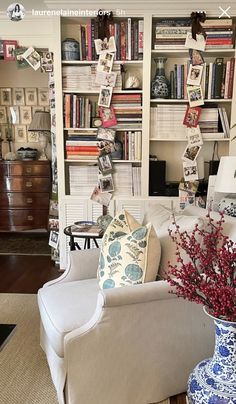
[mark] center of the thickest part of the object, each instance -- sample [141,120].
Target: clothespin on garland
[104,20]
[196,18]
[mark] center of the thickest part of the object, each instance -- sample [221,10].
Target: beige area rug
[24,373]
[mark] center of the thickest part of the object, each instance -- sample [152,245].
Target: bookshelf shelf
[90,62]
[183,52]
[184,140]
[95,161]
[97,92]
[170,100]
[95,129]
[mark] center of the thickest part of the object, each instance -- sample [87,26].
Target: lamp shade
[226,175]
[41,122]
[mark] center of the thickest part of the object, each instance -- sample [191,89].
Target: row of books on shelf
[127,180]
[85,146]
[217,80]
[84,78]
[167,122]
[173,32]
[128,36]
[79,110]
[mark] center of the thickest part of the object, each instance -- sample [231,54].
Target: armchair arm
[144,293]
[82,264]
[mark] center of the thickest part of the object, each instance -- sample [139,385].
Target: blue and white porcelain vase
[213,381]
[160,85]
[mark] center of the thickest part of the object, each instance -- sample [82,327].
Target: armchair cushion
[65,307]
[130,253]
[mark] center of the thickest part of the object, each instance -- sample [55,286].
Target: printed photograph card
[195,96]
[192,116]
[108,116]
[105,45]
[199,43]
[106,79]
[106,134]
[32,57]
[191,152]
[105,95]
[105,62]
[196,57]
[194,136]
[101,197]
[106,183]
[195,75]
[105,164]
[190,171]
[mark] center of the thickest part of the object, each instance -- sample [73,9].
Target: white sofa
[131,345]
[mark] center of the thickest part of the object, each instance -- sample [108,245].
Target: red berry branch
[205,272]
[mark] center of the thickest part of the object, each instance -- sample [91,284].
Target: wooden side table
[87,239]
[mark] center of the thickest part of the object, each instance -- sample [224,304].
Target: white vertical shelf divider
[146,103]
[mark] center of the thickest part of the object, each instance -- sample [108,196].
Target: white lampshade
[226,175]
[41,122]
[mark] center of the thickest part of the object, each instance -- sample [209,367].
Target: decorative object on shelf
[226,184]
[41,123]
[117,154]
[209,265]
[132,79]
[26,153]
[160,86]
[70,49]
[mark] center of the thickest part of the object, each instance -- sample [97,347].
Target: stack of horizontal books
[171,33]
[219,33]
[86,231]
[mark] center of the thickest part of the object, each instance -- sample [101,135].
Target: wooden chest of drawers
[24,195]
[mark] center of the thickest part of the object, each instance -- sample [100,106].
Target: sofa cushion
[130,253]
[229,225]
[161,219]
[66,306]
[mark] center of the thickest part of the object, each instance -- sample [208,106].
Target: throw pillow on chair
[130,253]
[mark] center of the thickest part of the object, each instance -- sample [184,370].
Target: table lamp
[41,123]
[226,183]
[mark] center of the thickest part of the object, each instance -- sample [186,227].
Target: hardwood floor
[28,273]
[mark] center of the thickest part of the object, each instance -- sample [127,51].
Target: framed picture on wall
[18,96]
[30,96]
[5,96]
[25,115]
[8,49]
[5,131]
[20,133]
[32,137]
[34,109]
[3,115]
[43,98]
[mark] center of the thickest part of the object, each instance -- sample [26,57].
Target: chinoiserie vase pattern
[213,381]
[160,87]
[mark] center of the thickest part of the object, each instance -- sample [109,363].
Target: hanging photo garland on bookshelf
[105,47]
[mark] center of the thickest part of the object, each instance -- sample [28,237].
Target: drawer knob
[30,218]
[29,169]
[29,184]
[29,200]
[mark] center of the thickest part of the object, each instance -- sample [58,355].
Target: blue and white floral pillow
[130,253]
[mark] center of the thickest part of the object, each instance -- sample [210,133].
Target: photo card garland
[196,42]
[105,47]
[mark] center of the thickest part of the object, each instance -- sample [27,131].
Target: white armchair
[130,345]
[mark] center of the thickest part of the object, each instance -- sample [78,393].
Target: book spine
[175,81]
[80,41]
[172,84]
[213,81]
[182,82]
[218,78]
[185,81]
[226,95]
[231,77]
[210,81]
[178,82]
[89,30]
[93,52]
[223,81]
[132,40]
[140,38]
[129,39]
[136,40]
[83,43]
[122,40]
[207,81]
